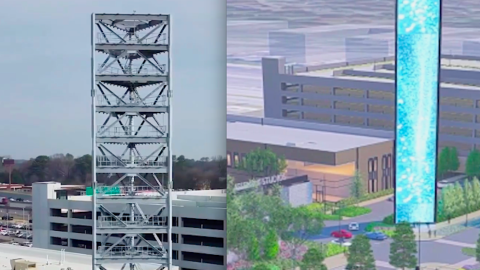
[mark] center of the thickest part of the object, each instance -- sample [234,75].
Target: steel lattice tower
[131,153]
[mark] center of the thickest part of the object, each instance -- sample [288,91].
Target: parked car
[19,200]
[4,232]
[12,199]
[7,218]
[342,234]
[353,226]
[376,236]
[27,201]
[27,244]
[391,199]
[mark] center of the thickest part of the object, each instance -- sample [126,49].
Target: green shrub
[352,211]
[388,233]
[367,197]
[390,219]
[334,249]
[319,207]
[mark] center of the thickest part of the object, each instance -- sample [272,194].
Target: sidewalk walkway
[455,243]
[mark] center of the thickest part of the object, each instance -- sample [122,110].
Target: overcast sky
[45,74]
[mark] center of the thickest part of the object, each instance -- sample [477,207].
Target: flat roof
[297,138]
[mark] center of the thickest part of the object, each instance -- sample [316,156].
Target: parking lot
[15,232]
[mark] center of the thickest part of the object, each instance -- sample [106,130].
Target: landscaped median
[349,211]
[352,211]
[386,226]
[469,251]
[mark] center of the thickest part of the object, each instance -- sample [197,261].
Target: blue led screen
[417,67]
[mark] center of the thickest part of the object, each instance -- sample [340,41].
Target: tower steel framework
[131,141]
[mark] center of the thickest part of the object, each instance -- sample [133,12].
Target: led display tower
[418,33]
[131,130]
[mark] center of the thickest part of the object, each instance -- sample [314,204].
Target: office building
[362,95]
[328,159]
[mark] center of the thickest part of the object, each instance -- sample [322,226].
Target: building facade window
[236,160]
[373,175]
[243,158]
[229,159]
[387,171]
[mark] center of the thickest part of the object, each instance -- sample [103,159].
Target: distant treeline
[206,173]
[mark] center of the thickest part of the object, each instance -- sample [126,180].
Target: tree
[271,246]
[469,197]
[472,165]
[460,205]
[39,168]
[357,189]
[263,163]
[454,162]
[254,250]
[476,193]
[403,249]
[252,214]
[304,224]
[313,260]
[443,161]
[448,202]
[360,255]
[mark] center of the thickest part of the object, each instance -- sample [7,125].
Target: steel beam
[129,44]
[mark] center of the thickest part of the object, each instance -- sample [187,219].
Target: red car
[342,234]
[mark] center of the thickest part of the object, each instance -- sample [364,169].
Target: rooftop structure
[131,137]
[297,138]
[324,45]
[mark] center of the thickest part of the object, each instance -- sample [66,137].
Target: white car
[4,232]
[353,226]
[341,242]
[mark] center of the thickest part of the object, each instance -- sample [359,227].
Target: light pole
[419,247]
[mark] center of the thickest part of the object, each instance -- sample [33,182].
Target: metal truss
[131,147]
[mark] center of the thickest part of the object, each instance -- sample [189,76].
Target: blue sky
[45,74]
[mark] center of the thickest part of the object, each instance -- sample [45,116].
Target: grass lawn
[468,251]
[352,211]
[318,207]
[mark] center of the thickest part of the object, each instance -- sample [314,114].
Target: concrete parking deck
[50,259]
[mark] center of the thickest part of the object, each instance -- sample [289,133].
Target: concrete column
[272,67]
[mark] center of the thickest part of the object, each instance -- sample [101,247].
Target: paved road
[379,211]
[468,236]
[430,251]
[16,195]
